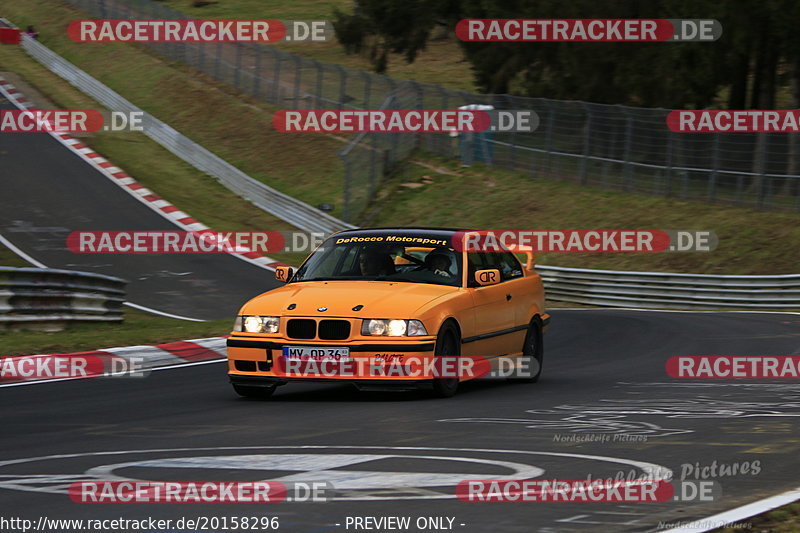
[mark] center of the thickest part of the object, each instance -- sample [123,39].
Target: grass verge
[10,259]
[784,519]
[750,242]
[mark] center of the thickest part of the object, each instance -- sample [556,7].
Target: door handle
[508,297]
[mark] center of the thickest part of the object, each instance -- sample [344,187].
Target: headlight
[257,324]
[393,328]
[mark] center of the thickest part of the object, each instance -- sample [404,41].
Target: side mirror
[284,273]
[489,276]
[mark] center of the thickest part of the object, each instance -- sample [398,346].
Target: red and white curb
[128,183]
[136,358]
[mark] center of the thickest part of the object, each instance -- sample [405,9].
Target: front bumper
[253,361]
[362,384]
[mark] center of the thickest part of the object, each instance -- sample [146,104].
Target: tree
[380,27]
[758,44]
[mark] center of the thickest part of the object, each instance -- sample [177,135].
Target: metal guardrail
[293,211]
[665,290]
[46,295]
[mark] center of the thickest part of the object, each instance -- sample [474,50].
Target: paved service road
[46,192]
[401,454]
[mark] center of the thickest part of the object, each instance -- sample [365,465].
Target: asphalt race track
[604,375]
[46,192]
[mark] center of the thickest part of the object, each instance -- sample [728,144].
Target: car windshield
[417,259]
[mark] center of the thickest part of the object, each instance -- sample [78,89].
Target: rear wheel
[532,354]
[259,393]
[447,344]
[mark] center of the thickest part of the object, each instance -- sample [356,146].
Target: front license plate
[316,352]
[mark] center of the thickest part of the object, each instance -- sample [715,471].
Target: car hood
[380,299]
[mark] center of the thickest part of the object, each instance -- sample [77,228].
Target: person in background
[32,33]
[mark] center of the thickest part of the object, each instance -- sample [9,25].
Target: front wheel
[447,344]
[258,393]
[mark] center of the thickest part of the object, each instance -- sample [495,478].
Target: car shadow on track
[295,393]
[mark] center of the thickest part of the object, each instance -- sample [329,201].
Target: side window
[505,262]
[508,265]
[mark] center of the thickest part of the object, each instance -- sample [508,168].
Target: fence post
[277,80]
[238,69]
[201,56]
[373,171]
[418,104]
[549,135]
[298,74]
[219,59]
[318,88]
[257,72]
[367,87]
[347,177]
[586,140]
[761,150]
[342,85]
[668,166]
[765,191]
[712,179]
[628,169]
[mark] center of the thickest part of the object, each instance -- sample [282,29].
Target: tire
[533,352]
[447,343]
[258,393]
